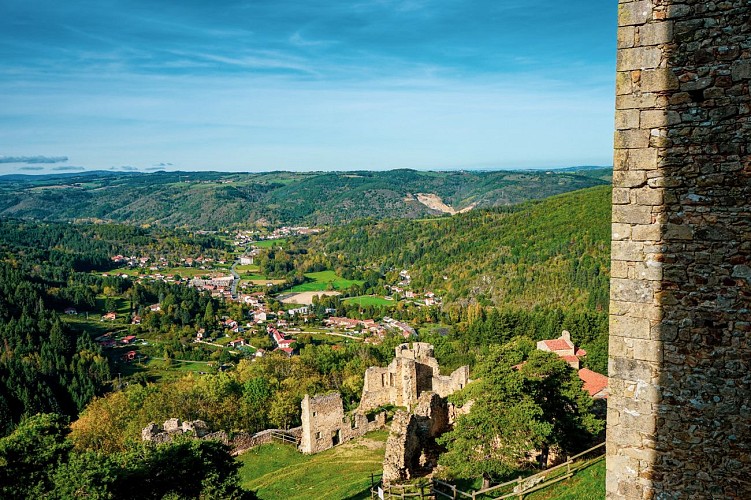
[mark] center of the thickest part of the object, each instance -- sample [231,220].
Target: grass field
[270,243]
[588,484]
[370,300]
[248,268]
[277,471]
[320,281]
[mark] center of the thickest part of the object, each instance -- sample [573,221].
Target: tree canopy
[525,403]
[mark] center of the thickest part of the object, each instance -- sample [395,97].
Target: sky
[261,85]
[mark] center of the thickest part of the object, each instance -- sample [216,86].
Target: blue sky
[305,84]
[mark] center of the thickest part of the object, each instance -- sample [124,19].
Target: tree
[30,454]
[525,403]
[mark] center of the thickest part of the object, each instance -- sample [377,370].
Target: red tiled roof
[570,359]
[558,344]
[581,352]
[593,382]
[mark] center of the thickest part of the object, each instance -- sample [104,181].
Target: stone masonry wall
[679,414]
[324,424]
[412,371]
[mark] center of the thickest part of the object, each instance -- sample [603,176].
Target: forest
[215,200]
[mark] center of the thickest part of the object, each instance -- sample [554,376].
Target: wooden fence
[285,437]
[516,488]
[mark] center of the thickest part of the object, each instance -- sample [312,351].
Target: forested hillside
[47,365]
[548,253]
[211,200]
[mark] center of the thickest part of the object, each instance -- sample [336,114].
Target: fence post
[568,464]
[453,488]
[521,488]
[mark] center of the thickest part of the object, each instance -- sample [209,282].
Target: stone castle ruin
[679,413]
[413,372]
[325,425]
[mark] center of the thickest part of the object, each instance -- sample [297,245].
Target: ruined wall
[322,419]
[324,424]
[412,371]
[411,450]
[445,385]
[680,384]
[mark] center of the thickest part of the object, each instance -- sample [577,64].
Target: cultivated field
[304,298]
[324,280]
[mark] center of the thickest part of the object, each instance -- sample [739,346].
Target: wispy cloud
[126,168]
[30,169]
[68,168]
[33,159]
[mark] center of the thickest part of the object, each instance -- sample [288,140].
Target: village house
[155,307]
[136,320]
[110,316]
[128,340]
[595,383]
[237,343]
[564,348]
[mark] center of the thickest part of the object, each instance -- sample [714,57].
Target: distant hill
[547,253]
[211,200]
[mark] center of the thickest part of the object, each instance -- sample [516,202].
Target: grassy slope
[278,471]
[588,484]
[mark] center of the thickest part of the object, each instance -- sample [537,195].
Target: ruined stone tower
[679,415]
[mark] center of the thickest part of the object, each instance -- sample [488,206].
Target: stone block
[658,80]
[621,231]
[627,251]
[642,159]
[641,101]
[633,13]
[631,328]
[638,58]
[678,232]
[626,35]
[741,70]
[656,33]
[653,118]
[648,196]
[619,269]
[621,196]
[648,350]
[647,270]
[632,290]
[632,214]
[627,119]
[631,139]
[629,178]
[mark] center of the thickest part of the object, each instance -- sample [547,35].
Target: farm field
[247,268]
[279,471]
[370,300]
[270,243]
[320,281]
[302,298]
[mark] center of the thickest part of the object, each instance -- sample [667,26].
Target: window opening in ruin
[315,413]
[335,437]
[319,435]
[383,380]
[391,379]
